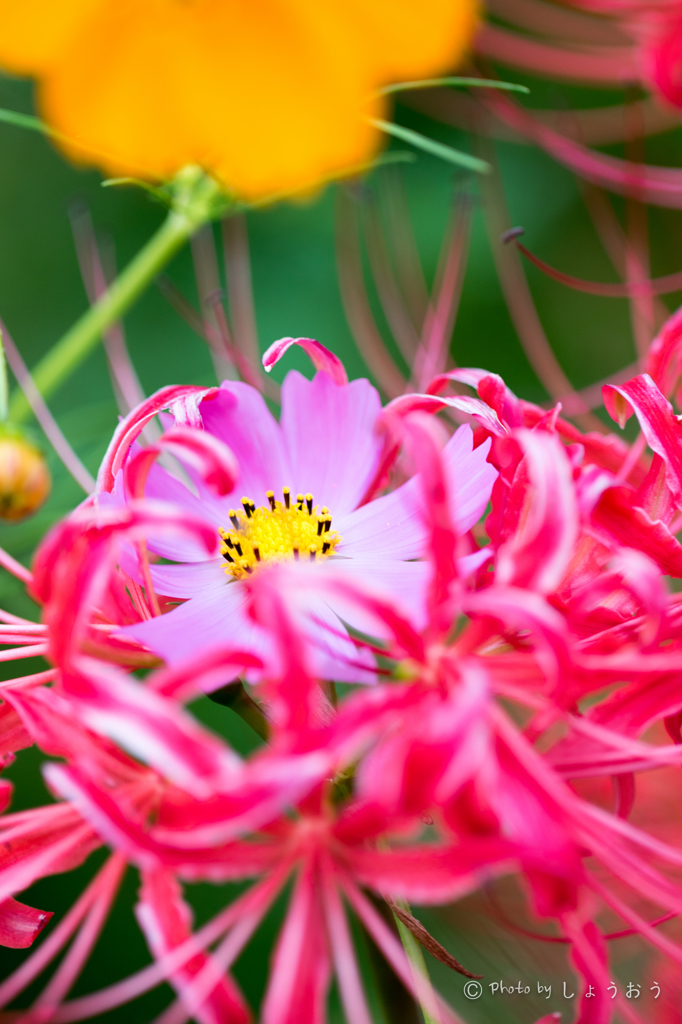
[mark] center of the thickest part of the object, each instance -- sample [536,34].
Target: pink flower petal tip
[321,358]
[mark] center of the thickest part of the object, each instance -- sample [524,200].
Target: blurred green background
[296,293]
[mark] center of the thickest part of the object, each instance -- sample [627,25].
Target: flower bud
[24,477]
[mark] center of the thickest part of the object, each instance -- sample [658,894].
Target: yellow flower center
[277,532]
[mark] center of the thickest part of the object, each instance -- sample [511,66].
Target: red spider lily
[194,829]
[436,742]
[612,44]
[488,671]
[329,853]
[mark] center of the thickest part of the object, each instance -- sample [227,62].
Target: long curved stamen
[618,290]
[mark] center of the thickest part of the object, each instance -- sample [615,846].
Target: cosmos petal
[203,622]
[393,526]
[329,433]
[239,417]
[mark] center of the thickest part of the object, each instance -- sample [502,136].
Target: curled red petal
[166,921]
[291,688]
[136,470]
[19,924]
[433,874]
[441,533]
[631,526]
[616,405]
[653,494]
[321,358]
[301,966]
[390,423]
[538,552]
[660,426]
[607,451]
[182,401]
[6,790]
[665,61]
[664,358]
[153,728]
[491,389]
[75,563]
[202,674]
[205,454]
[474,407]
[13,734]
[208,456]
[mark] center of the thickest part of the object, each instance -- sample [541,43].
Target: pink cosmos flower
[305,490]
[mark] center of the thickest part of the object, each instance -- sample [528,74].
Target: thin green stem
[234,696]
[413,950]
[423,142]
[82,338]
[435,83]
[196,198]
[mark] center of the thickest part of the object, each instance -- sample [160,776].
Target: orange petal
[270,98]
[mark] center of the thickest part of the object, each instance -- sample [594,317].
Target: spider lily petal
[321,358]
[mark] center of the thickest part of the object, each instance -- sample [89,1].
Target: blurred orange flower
[268,96]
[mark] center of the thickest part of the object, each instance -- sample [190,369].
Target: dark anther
[320,526]
[510,235]
[234,518]
[313,552]
[256,552]
[325,547]
[300,498]
[246,502]
[287,497]
[227,556]
[271,499]
[228,540]
[309,503]
[327,524]
[245,566]
[238,548]
[295,550]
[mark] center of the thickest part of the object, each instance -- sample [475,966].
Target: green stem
[234,696]
[420,972]
[398,1005]
[195,198]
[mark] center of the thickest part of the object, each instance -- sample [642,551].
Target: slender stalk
[397,1003]
[235,696]
[423,142]
[422,981]
[196,199]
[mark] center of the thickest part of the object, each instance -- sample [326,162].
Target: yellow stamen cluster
[277,532]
